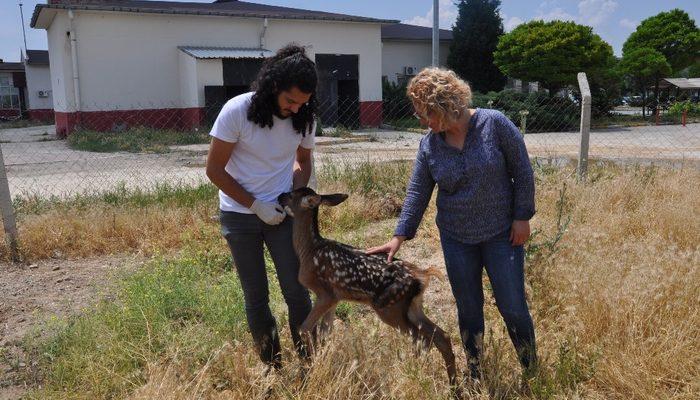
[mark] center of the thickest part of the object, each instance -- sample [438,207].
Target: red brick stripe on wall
[164,118]
[371,113]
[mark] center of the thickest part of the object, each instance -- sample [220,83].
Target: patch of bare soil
[29,294]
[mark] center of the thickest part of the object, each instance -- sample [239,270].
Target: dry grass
[616,301]
[616,305]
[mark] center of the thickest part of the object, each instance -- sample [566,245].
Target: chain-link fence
[106,148]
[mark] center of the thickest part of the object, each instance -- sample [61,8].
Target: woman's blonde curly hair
[440,94]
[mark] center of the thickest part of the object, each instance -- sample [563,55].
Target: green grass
[22,123]
[368,178]
[162,194]
[404,123]
[135,140]
[187,306]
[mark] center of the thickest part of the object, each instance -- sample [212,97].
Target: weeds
[135,140]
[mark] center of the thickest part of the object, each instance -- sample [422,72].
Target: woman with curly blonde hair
[486,197]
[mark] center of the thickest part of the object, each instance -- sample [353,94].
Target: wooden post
[582,169]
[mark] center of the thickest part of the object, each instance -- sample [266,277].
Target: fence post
[585,125]
[8,214]
[523,120]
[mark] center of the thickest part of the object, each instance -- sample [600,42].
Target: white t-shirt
[263,159]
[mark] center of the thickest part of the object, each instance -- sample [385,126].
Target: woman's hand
[390,247]
[519,232]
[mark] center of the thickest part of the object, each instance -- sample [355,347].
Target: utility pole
[436,33]
[24,34]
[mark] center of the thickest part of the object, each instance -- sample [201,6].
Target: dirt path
[32,293]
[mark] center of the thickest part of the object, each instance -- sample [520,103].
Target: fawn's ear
[310,201]
[333,199]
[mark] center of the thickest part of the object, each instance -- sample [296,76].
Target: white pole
[24,35]
[436,33]
[74,60]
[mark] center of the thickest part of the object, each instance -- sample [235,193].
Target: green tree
[673,34]
[643,66]
[552,53]
[475,36]
[694,70]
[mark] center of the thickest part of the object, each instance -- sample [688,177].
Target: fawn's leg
[326,325]
[324,303]
[433,334]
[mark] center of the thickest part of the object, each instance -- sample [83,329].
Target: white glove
[270,213]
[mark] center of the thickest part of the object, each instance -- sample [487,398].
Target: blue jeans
[245,235]
[504,265]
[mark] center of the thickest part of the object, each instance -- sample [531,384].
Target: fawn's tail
[424,275]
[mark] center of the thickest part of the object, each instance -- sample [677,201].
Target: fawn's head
[305,199]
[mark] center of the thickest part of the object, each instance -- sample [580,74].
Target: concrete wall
[398,54]
[195,74]
[337,38]
[131,61]
[38,78]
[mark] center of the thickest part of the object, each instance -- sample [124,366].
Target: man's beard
[278,112]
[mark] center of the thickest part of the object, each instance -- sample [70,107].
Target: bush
[396,105]
[604,100]
[544,113]
[679,107]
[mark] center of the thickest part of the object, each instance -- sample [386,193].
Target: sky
[613,20]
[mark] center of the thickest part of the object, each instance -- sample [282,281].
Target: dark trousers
[245,234]
[504,265]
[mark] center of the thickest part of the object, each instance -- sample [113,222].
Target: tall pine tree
[474,39]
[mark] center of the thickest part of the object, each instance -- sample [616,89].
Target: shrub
[396,105]
[544,113]
[679,107]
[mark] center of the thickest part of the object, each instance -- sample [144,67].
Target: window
[9,95]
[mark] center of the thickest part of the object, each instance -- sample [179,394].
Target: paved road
[39,164]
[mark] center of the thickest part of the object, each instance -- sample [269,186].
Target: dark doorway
[338,90]
[238,73]
[216,96]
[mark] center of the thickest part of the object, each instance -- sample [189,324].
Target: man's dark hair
[289,68]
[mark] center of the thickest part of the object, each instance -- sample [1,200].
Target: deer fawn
[335,271]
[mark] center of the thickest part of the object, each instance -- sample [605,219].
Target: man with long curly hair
[261,147]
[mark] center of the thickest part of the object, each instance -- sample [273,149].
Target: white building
[38,96]
[406,49]
[137,61]
[12,83]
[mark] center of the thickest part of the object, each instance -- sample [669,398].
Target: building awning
[37,57]
[225,52]
[681,83]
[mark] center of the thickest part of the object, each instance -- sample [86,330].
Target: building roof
[228,8]
[412,32]
[11,67]
[681,83]
[37,57]
[225,52]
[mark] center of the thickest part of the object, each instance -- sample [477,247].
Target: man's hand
[519,232]
[270,213]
